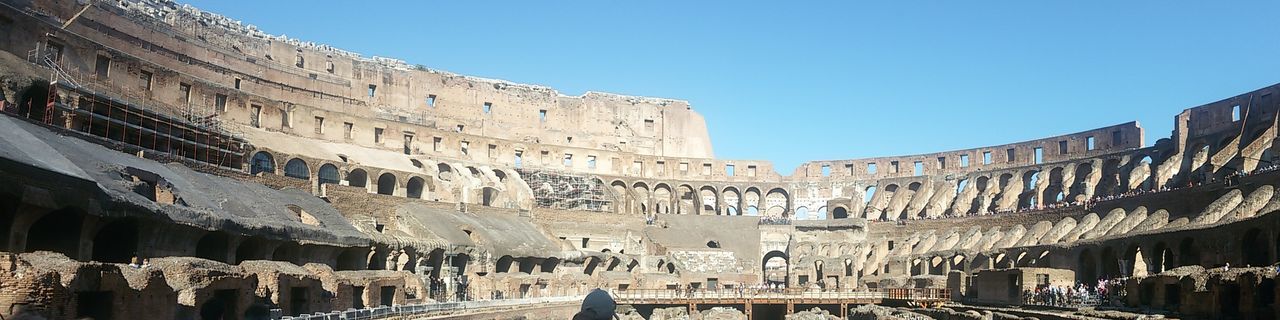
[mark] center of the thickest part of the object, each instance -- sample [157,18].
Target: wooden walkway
[789,297]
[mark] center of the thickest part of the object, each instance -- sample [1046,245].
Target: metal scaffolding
[561,190]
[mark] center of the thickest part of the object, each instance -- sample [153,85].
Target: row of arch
[638,197]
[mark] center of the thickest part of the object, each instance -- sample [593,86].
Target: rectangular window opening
[431,100]
[919,168]
[986,157]
[1062,147]
[465,147]
[347,127]
[568,160]
[751,171]
[729,170]
[145,76]
[1011,154]
[488,107]
[964,161]
[942,162]
[319,125]
[220,102]
[377,135]
[408,143]
[542,115]
[493,151]
[102,67]
[662,167]
[893,167]
[328,66]
[373,89]
[1039,155]
[648,125]
[435,143]
[591,162]
[826,170]
[706,169]
[237,85]
[519,158]
[871,168]
[1088,142]
[684,167]
[185,89]
[1235,113]
[256,116]
[637,167]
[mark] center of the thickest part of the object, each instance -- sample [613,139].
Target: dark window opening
[102,67]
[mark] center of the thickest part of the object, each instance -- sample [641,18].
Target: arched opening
[1110,263]
[1161,258]
[839,213]
[296,168]
[287,252]
[1188,254]
[387,184]
[1254,248]
[57,231]
[713,244]
[357,178]
[263,162]
[775,268]
[503,265]
[802,213]
[591,265]
[328,174]
[549,265]
[251,249]
[709,199]
[488,196]
[445,172]
[753,211]
[1086,267]
[117,242]
[350,259]
[414,188]
[377,259]
[213,246]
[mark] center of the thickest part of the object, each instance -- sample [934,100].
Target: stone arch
[751,201]
[662,198]
[351,259]
[57,231]
[287,252]
[1029,197]
[1053,193]
[1087,267]
[839,213]
[413,189]
[1255,248]
[548,265]
[802,213]
[640,191]
[775,267]
[501,175]
[732,197]
[213,246]
[358,178]
[1161,258]
[619,188]
[444,172]
[117,241]
[262,162]
[686,200]
[297,168]
[1188,253]
[387,184]
[328,173]
[503,265]
[709,201]
[489,196]
[253,248]
[778,202]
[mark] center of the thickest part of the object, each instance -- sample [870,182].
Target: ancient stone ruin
[163,162]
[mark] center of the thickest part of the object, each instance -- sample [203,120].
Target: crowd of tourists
[1104,292]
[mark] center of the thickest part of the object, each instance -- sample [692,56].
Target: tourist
[598,305]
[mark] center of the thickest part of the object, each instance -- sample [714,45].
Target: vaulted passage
[213,246]
[117,242]
[57,231]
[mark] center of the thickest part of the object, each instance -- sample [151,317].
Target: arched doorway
[262,162]
[357,178]
[776,268]
[117,242]
[57,231]
[1188,254]
[296,168]
[328,173]
[213,246]
[1254,248]
[414,187]
[387,184]
[839,213]
[1087,267]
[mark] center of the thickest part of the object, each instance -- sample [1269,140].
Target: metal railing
[384,312]
[914,294]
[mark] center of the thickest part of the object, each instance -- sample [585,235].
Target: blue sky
[797,81]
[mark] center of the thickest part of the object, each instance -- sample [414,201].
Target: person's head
[598,305]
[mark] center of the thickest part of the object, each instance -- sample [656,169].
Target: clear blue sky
[797,81]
